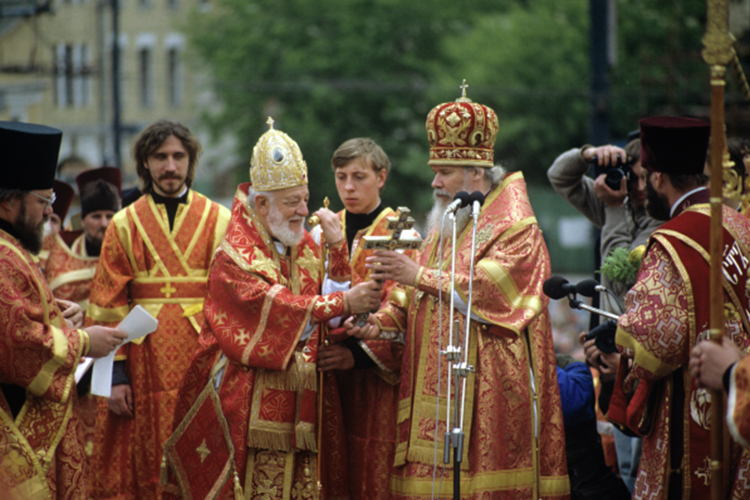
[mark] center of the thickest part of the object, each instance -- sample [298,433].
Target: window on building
[85,75]
[144,56]
[174,77]
[68,97]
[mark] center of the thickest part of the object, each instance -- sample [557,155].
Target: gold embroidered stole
[171,280]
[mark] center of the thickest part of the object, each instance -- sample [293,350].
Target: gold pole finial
[270,123]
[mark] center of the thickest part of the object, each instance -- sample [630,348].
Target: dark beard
[656,205]
[29,236]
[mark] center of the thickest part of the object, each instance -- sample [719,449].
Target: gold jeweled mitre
[462,133]
[277,162]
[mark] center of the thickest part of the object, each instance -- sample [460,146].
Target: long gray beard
[435,218]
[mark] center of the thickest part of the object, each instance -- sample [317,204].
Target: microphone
[589,287]
[459,201]
[477,200]
[558,287]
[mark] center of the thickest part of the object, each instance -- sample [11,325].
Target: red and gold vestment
[41,452]
[370,395]
[70,271]
[143,262]
[259,303]
[667,314]
[511,450]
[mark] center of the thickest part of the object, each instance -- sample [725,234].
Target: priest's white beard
[280,228]
[435,217]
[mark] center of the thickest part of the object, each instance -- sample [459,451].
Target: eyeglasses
[49,201]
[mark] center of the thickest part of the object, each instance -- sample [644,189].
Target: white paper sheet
[136,324]
[83,367]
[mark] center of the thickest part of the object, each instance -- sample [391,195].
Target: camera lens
[614,178]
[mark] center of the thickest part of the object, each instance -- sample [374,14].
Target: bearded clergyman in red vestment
[41,449]
[259,345]
[514,444]
[668,313]
[155,254]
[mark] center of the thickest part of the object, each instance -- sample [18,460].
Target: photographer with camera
[614,201]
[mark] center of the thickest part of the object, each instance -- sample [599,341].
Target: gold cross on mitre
[463,88]
[402,221]
[270,120]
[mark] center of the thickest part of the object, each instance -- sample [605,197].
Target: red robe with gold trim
[142,262]
[370,397]
[70,272]
[41,452]
[502,457]
[258,305]
[667,315]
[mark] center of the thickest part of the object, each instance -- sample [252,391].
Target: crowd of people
[290,364]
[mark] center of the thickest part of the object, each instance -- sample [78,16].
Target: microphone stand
[577,304]
[462,372]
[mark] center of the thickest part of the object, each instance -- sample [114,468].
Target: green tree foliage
[530,64]
[331,70]
[328,71]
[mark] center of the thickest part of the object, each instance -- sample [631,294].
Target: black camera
[604,336]
[615,173]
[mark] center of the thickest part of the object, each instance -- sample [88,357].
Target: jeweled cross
[395,241]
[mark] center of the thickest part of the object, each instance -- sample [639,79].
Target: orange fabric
[502,458]
[258,305]
[127,452]
[608,440]
[42,449]
[62,261]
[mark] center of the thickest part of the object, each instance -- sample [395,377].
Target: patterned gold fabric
[70,272]
[143,262]
[667,314]
[503,458]
[41,451]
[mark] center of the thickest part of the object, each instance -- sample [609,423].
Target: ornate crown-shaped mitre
[462,133]
[277,162]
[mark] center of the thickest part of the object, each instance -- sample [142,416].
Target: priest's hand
[103,340]
[390,265]
[72,313]
[120,402]
[331,226]
[369,331]
[709,361]
[335,357]
[364,297]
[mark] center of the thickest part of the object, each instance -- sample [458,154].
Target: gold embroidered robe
[258,304]
[371,395]
[661,326]
[41,452]
[143,262]
[502,457]
[70,272]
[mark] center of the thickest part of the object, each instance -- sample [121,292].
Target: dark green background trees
[335,69]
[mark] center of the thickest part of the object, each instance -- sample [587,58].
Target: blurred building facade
[56,68]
